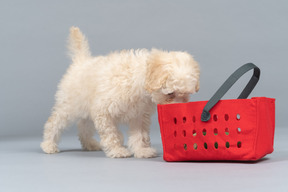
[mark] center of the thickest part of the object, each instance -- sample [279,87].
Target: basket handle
[205,116]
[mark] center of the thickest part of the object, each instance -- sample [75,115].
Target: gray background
[222,35]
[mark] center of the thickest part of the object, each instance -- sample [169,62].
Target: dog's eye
[170,94]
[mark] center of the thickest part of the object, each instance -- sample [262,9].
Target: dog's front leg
[111,140]
[139,139]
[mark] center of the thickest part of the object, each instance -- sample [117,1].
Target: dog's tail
[78,45]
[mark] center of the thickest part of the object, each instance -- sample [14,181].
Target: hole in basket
[175,133]
[238,130]
[205,146]
[226,131]
[226,117]
[204,132]
[227,145]
[215,131]
[194,133]
[194,119]
[184,119]
[185,147]
[184,133]
[238,117]
[239,144]
[195,146]
[175,120]
[216,145]
[215,117]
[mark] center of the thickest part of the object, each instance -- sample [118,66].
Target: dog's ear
[157,72]
[197,86]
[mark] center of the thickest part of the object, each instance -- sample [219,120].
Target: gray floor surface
[24,167]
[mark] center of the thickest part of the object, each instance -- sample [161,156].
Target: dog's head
[171,76]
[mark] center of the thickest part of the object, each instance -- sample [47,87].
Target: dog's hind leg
[53,128]
[86,131]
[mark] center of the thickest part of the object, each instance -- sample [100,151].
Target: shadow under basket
[234,130]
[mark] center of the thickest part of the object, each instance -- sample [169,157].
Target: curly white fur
[99,92]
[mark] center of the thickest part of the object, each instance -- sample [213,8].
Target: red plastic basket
[236,129]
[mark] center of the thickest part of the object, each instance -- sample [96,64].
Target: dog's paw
[146,152]
[119,152]
[49,147]
[92,145]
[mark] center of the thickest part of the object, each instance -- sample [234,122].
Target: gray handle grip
[205,116]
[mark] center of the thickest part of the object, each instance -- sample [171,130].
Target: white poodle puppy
[122,87]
